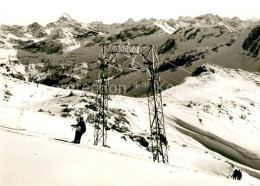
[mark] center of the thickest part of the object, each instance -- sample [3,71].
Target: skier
[80,129]
[239,175]
[235,174]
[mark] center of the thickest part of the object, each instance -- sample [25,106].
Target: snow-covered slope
[9,63]
[165,27]
[207,138]
[30,160]
[222,105]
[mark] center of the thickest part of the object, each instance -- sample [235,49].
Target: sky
[24,12]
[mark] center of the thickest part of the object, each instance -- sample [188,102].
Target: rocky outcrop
[252,42]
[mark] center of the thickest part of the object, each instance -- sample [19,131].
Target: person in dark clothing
[80,129]
[237,174]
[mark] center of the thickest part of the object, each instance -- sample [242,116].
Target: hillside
[211,124]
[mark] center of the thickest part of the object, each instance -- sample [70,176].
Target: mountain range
[65,52]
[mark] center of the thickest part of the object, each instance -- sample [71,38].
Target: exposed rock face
[209,18]
[252,42]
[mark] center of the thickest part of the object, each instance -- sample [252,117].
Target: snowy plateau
[208,137]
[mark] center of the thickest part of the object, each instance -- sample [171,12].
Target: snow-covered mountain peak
[146,21]
[35,25]
[129,21]
[209,19]
[253,19]
[187,19]
[66,17]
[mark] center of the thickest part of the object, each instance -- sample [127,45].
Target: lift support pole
[150,59]
[157,127]
[100,131]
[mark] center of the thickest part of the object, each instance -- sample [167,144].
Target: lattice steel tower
[149,56]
